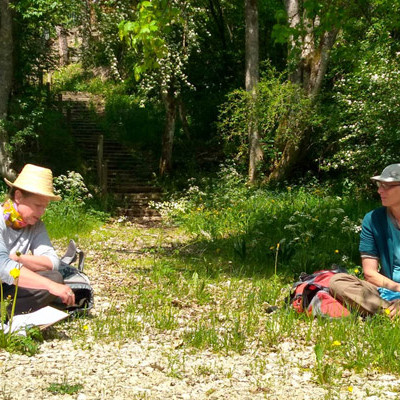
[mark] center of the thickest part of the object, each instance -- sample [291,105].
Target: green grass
[66,219]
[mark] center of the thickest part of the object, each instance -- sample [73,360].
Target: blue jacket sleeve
[368,243]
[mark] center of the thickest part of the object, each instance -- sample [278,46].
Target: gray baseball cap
[390,174]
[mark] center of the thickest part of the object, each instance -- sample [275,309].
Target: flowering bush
[363,121]
[71,187]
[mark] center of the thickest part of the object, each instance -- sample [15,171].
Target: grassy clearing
[174,293]
[206,285]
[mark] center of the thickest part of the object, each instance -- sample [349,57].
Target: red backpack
[311,295]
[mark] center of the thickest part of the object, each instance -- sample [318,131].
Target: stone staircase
[122,172]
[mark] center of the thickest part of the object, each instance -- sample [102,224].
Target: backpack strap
[81,259]
[70,255]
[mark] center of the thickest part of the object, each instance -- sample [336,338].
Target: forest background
[294,90]
[268,118]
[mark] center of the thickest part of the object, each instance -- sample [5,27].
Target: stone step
[155,196]
[137,212]
[136,189]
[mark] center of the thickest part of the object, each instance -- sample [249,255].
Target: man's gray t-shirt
[31,239]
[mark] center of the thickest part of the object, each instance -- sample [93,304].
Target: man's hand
[394,309]
[64,292]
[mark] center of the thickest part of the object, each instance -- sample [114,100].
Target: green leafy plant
[64,387]
[276,99]
[73,214]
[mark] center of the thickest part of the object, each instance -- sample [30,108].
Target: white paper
[46,316]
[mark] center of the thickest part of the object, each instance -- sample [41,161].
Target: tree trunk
[311,65]
[6,78]
[168,134]
[251,78]
[183,118]
[62,35]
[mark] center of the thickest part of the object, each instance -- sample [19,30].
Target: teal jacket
[376,239]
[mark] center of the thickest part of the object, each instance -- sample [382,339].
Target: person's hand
[394,309]
[64,292]
[14,257]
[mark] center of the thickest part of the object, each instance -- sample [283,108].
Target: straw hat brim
[40,192]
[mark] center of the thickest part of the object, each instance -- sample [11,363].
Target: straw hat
[35,179]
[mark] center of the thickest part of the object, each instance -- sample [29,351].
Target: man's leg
[29,300]
[359,295]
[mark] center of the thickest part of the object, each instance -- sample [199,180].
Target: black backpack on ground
[76,279]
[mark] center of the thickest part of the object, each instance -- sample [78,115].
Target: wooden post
[48,97]
[100,162]
[59,101]
[104,188]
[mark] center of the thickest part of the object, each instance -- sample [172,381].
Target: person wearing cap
[380,254]
[25,244]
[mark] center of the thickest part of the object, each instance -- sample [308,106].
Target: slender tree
[313,36]
[6,78]
[251,78]
[62,37]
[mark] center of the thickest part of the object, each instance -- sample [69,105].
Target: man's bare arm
[371,274]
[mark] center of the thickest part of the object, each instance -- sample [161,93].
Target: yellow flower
[350,389]
[277,246]
[15,273]
[387,311]
[336,251]
[85,327]
[336,343]
[356,271]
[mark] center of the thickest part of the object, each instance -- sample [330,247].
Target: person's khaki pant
[357,294]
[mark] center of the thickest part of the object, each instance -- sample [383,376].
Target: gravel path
[150,370]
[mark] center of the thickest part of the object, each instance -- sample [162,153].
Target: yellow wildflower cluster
[15,273]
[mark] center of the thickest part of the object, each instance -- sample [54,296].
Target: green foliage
[314,229]
[276,100]
[134,123]
[73,215]
[21,344]
[155,23]
[363,121]
[35,23]
[38,134]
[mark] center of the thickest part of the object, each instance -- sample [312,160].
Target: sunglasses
[386,186]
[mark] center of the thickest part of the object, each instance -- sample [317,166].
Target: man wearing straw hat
[24,243]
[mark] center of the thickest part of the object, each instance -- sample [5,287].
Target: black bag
[76,279]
